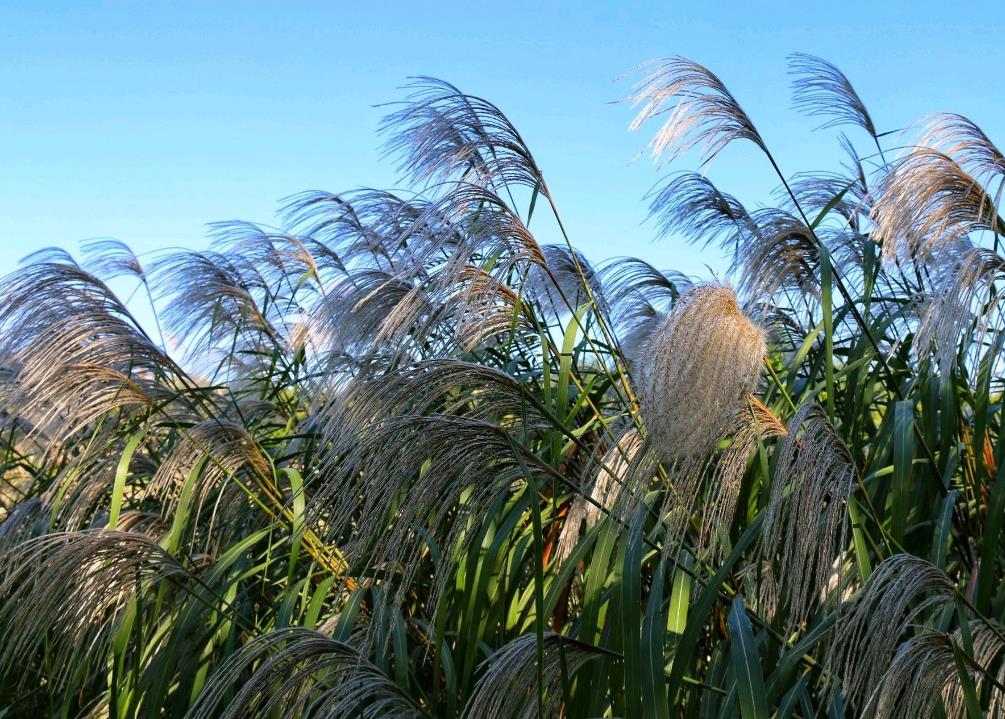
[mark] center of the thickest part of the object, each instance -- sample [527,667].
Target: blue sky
[145,121]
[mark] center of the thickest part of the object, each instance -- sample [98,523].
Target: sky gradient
[145,122]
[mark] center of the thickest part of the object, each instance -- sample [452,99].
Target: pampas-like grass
[65,591]
[73,352]
[819,88]
[603,492]
[439,133]
[698,369]
[964,302]
[298,672]
[901,589]
[779,252]
[928,203]
[702,112]
[924,674]
[689,204]
[960,138]
[805,521]
[509,687]
[407,474]
[758,423]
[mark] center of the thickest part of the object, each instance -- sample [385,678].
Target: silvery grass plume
[899,592]
[26,519]
[357,228]
[73,353]
[804,523]
[821,89]
[408,474]
[700,110]
[215,461]
[509,687]
[401,458]
[924,679]
[960,138]
[698,369]
[440,133]
[462,249]
[689,204]
[470,224]
[81,485]
[926,203]
[293,268]
[757,424]
[771,249]
[781,253]
[299,672]
[66,591]
[109,259]
[563,282]
[962,307]
[210,302]
[610,476]
[638,298]
[847,197]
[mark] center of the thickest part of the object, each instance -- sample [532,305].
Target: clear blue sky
[145,121]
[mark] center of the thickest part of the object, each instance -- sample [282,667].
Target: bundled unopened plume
[698,369]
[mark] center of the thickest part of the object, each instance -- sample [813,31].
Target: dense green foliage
[405,460]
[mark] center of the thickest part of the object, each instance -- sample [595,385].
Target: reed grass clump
[414,455]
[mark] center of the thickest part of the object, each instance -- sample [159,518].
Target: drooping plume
[927,204]
[440,133]
[820,88]
[963,304]
[804,524]
[66,591]
[71,352]
[757,423]
[924,671]
[299,672]
[702,112]
[509,687]
[899,592]
[610,477]
[698,369]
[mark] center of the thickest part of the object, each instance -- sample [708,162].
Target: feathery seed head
[807,527]
[702,112]
[698,369]
[820,88]
[899,591]
[928,203]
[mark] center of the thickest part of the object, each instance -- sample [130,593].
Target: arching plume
[820,88]
[780,254]
[928,203]
[440,133]
[758,423]
[965,303]
[689,204]
[611,475]
[509,687]
[72,352]
[702,112]
[960,138]
[900,591]
[924,671]
[66,591]
[298,672]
